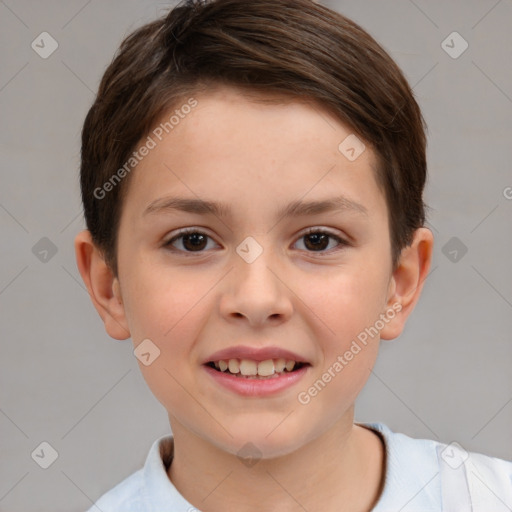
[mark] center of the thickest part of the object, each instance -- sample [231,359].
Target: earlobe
[407,281]
[102,285]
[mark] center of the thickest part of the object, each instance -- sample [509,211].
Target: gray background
[64,381]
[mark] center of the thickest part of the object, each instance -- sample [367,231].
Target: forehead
[245,144]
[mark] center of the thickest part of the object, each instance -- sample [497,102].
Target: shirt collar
[158,492]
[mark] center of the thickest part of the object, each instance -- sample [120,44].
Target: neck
[341,470]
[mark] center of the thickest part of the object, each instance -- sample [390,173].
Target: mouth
[257,370]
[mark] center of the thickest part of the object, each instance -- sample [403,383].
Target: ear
[407,282]
[102,285]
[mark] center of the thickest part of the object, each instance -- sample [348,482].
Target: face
[250,281]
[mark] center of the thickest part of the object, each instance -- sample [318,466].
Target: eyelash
[187,231]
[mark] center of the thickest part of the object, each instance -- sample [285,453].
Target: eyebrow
[295,208]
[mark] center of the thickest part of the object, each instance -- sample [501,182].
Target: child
[252,176]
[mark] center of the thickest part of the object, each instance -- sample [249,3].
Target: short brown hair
[293,47]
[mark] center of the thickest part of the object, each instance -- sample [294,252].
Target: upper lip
[254,354]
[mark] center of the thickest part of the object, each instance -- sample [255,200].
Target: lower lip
[257,387]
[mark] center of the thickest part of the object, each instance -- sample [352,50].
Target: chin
[262,439]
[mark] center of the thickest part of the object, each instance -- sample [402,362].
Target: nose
[257,291]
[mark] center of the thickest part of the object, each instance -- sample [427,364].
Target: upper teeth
[249,367]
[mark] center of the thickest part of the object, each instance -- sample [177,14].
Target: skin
[257,157]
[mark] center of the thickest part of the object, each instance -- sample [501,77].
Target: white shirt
[420,476]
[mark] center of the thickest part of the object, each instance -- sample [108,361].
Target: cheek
[168,308]
[159,302]
[344,302]
[348,309]
[347,305]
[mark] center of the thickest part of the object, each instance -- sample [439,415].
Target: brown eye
[319,240]
[194,241]
[191,241]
